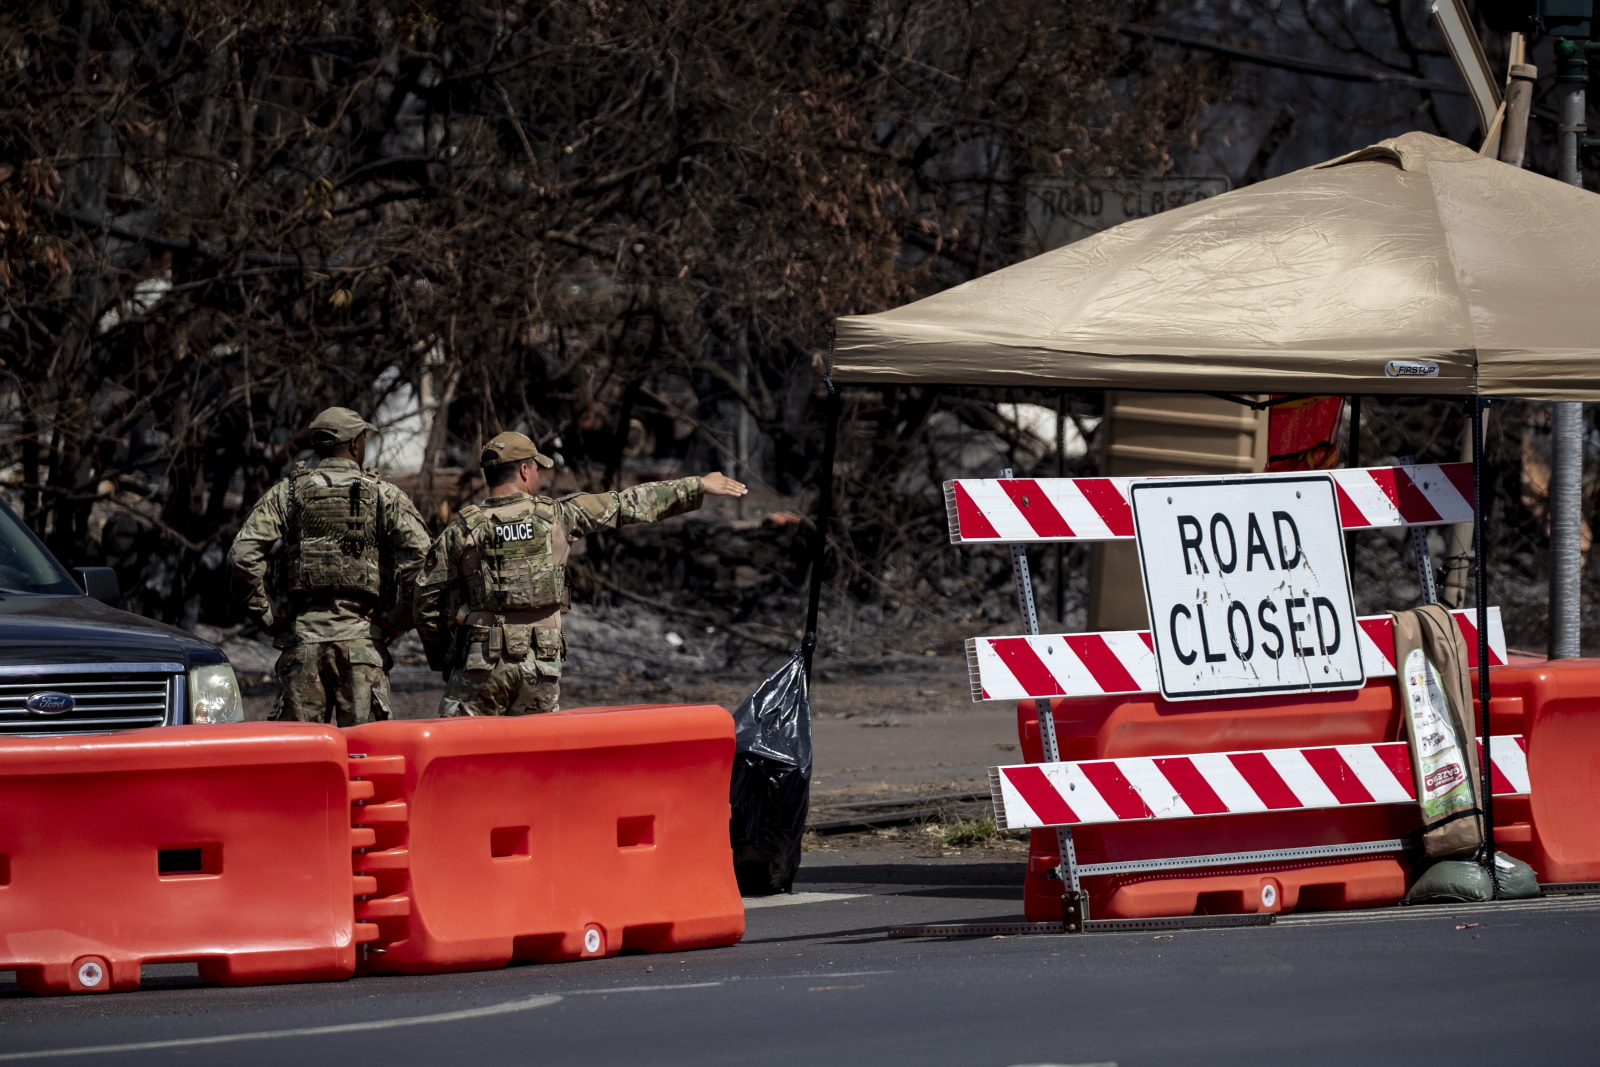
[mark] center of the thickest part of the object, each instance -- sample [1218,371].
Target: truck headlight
[214,695]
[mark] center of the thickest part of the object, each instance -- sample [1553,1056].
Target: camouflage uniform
[490,598]
[348,592]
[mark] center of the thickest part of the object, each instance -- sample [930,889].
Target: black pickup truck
[73,663]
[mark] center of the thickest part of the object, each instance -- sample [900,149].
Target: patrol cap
[335,426]
[512,448]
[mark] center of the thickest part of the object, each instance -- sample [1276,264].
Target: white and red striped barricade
[1140,792]
[1047,666]
[1037,510]
[1038,795]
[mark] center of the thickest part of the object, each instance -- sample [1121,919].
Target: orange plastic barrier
[1146,725]
[227,845]
[546,837]
[1555,706]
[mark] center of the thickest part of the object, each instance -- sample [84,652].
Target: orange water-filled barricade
[1556,828]
[225,845]
[548,837]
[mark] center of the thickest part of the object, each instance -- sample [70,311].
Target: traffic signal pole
[1566,440]
[1571,23]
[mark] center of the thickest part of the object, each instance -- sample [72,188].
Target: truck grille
[102,699]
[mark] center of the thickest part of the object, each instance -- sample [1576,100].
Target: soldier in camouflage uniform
[490,598]
[342,582]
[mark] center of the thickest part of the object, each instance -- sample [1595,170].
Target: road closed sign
[1247,586]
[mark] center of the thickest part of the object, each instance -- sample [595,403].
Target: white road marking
[1498,909]
[779,899]
[639,988]
[817,974]
[306,1031]
[415,1020]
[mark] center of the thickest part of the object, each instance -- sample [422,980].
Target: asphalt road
[817,982]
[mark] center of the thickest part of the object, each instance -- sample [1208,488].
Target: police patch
[513,531]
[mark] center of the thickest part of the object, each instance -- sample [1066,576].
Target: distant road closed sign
[1247,586]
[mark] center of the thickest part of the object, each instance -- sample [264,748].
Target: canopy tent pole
[1480,556]
[1352,448]
[819,542]
[1061,472]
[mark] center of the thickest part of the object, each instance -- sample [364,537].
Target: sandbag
[771,788]
[1516,880]
[1452,882]
[1466,882]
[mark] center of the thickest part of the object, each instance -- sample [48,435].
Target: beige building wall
[1161,434]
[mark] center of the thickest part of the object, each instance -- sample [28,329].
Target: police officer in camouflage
[343,548]
[490,598]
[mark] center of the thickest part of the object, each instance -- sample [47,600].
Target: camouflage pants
[504,689]
[344,683]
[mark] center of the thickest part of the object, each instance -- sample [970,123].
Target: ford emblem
[50,703]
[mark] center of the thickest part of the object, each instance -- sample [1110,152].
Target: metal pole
[1421,555]
[1572,79]
[1566,524]
[1353,446]
[1074,908]
[1480,555]
[1519,102]
[1566,416]
[1352,458]
[1458,551]
[742,434]
[1061,472]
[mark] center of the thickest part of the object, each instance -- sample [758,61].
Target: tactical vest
[515,558]
[334,537]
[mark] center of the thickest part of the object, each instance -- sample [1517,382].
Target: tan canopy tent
[1414,266]
[1415,249]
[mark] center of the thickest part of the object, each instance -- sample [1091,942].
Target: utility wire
[1315,67]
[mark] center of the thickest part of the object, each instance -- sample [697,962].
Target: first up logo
[1247,585]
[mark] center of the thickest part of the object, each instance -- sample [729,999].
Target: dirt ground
[876,736]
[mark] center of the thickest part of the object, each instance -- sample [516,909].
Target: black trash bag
[771,788]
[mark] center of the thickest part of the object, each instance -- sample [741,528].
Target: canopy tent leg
[819,542]
[1061,472]
[1352,447]
[1480,555]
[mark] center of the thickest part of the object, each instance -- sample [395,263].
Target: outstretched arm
[587,512]
[652,501]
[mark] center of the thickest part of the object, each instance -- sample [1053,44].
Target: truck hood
[51,630]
